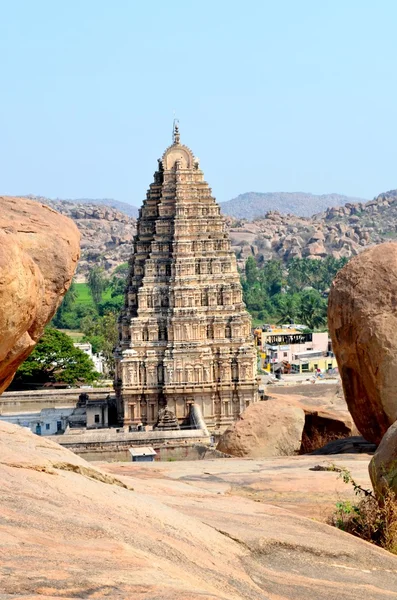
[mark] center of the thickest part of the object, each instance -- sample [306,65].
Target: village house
[289,350]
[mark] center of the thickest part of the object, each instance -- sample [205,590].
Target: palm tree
[312,310]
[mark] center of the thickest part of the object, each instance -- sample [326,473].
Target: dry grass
[317,439]
[372,519]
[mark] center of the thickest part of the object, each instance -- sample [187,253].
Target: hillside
[106,233]
[128,209]
[339,231]
[253,204]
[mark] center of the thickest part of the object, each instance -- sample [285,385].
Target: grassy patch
[76,336]
[84,296]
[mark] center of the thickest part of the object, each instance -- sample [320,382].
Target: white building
[97,359]
[49,421]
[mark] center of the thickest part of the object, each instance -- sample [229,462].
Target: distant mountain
[255,204]
[128,209]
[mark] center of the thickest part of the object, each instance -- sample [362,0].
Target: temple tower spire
[185,335]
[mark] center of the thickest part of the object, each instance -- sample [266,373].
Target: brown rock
[39,250]
[265,429]
[315,249]
[363,321]
[383,466]
[186,531]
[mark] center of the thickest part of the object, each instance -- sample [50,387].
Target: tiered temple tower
[185,335]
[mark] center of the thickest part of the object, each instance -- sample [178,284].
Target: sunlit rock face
[362,316]
[39,250]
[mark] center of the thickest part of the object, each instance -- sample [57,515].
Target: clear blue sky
[281,95]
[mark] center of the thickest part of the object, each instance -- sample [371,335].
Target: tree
[103,334]
[287,308]
[312,310]
[65,306]
[272,276]
[251,271]
[97,282]
[55,359]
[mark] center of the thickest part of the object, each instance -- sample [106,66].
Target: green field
[76,336]
[84,295]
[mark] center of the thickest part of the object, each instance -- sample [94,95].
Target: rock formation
[362,321]
[185,334]
[265,429]
[39,250]
[383,466]
[71,530]
[340,231]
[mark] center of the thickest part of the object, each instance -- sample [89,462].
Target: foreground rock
[383,466]
[39,250]
[265,429]
[68,530]
[362,322]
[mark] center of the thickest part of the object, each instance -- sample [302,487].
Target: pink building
[303,351]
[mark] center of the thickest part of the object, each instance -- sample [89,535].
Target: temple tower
[185,335]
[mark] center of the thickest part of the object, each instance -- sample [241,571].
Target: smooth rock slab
[68,532]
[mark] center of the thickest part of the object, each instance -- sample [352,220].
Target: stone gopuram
[185,334]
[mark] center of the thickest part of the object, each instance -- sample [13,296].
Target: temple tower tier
[184,332]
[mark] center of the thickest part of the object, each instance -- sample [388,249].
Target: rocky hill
[106,233]
[338,231]
[253,204]
[128,209]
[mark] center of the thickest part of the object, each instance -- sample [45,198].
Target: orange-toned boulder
[362,316]
[383,465]
[265,429]
[39,250]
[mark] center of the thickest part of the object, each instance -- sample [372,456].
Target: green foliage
[65,306]
[97,282]
[55,359]
[78,303]
[102,332]
[368,518]
[289,293]
[122,270]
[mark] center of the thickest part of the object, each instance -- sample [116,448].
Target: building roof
[309,353]
[142,451]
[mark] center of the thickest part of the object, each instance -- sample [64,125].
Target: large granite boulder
[265,429]
[362,316]
[39,250]
[383,466]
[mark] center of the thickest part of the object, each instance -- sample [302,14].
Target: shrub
[370,518]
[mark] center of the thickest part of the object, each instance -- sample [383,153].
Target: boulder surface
[265,429]
[70,530]
[39,250]
[383,466]
[362,317]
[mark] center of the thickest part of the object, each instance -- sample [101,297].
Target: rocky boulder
[180,531]
[265,429]
[39,250]
[383,466]
[362,322]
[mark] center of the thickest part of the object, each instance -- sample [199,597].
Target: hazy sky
[287,95]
